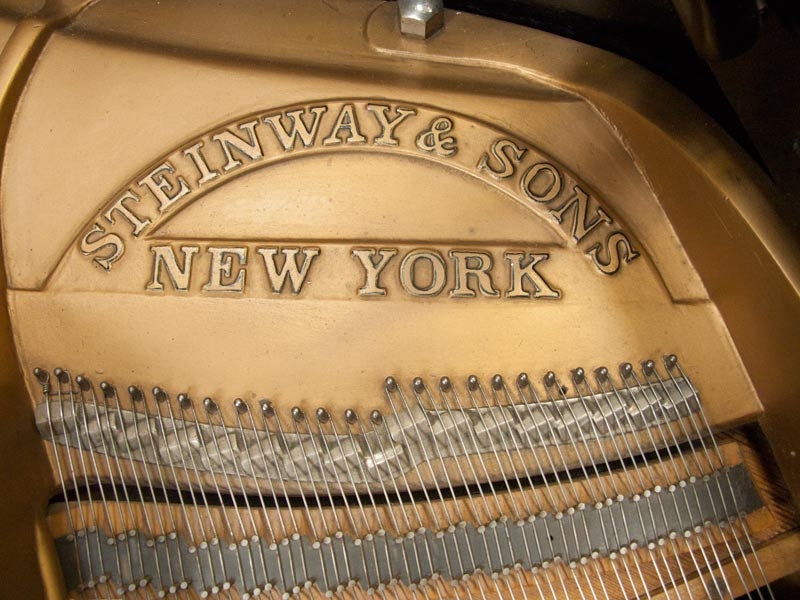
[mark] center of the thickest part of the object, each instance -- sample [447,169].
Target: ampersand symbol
[432,140]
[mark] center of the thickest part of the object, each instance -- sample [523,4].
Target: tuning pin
[497,382]
[183,400]
[61,375]
[210,406]
[43,377]
[523,380]
[550,379]
[267,409]
[323,416]
[107,389]
[83,384]
[671,361]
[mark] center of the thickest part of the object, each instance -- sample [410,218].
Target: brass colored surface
[333,198]
[294,200]
[27,559]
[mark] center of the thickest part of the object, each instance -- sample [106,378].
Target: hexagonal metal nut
[421,18]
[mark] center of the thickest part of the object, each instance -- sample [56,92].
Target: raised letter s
[105,240]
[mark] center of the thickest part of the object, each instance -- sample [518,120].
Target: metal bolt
[421,18]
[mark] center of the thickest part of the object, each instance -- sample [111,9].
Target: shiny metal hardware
[532,425]
[421,18]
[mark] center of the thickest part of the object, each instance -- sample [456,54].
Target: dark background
[739,60]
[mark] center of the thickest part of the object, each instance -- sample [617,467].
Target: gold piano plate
[287,233]
[286,253]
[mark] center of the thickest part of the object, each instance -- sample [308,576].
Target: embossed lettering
[506,153]
[213,157]
[541,182]
[388,126]
[581,226]
[434,139]
[520,271]
[297,274]
[345,122]
[438,273]
[139,223]
[167,191]
[164,258]
[195,153]
[221,276]
[619,250]
[472,264]
[373,269]
[251,147]
[105,240]
[298,128]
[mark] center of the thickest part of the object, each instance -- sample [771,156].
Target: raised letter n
[164,258]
